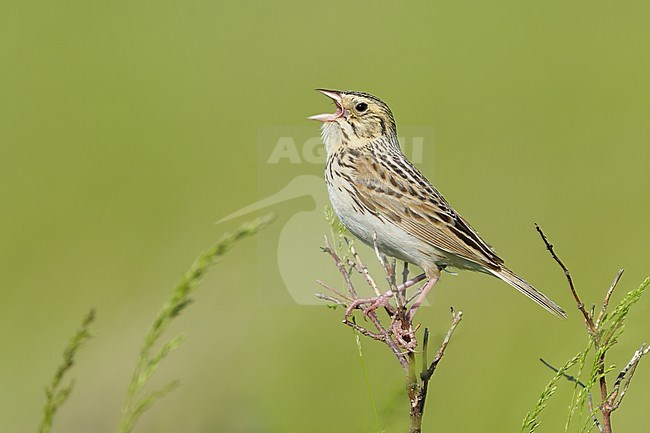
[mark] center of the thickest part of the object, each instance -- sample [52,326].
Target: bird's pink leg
[411,282]
[423,293]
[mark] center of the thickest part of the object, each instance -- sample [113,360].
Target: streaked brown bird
[376,191]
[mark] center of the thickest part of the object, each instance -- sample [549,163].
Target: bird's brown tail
[518,283]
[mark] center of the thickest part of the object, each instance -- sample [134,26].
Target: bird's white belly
[391,239]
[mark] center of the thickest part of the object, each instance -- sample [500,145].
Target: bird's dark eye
[361,107]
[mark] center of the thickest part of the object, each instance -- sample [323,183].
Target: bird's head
[360,118]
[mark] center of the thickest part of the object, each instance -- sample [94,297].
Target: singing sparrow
[377,192]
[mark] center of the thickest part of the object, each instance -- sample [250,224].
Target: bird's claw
[374,303]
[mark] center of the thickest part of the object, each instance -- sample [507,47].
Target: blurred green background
[127,129]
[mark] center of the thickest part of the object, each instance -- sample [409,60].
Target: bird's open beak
[336,97]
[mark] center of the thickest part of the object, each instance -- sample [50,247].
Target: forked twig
[428,372]
[399,332]
[608,296]
[381,333]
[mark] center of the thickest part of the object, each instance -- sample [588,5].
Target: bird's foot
[405,337]
[372,304]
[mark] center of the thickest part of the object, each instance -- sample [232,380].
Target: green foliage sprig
[137,401]
[56,394]
[609,330]
[531,422]
[603,330]
[152,353]
[342,243]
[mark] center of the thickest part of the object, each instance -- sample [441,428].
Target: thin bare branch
[364,270]
[331,299]
[346,276]
[364,331]
[333,290]
[581,306]
[456,318]
[608,296]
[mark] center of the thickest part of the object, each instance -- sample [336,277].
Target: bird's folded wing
[422,212]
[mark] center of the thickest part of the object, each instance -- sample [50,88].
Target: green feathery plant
[56,394]
[604,331]
[137,401]
[531,422]
[342,243]
[608,331]
[152,353]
